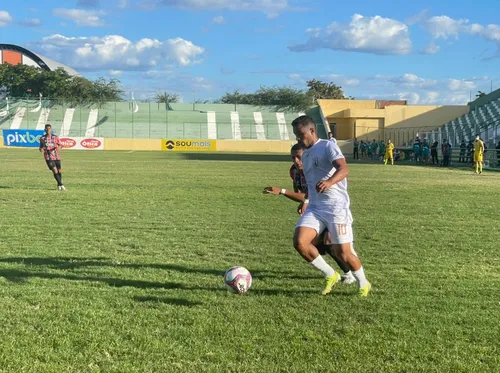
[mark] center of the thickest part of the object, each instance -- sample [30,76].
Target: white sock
[360,277]
[349,274]
[323,266]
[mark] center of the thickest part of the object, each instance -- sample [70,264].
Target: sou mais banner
[186,145]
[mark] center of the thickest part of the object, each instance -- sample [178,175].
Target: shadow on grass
[241,157]
[75,262]
[5,187]
[172,301]
[21,276]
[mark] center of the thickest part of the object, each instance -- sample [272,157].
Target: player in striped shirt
[323,241]
[50,146]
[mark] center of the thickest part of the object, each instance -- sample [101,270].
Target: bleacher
[154,120]
[483,118]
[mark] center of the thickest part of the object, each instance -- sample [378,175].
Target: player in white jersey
[325,170]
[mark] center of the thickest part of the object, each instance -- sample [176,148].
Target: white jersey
[318,165]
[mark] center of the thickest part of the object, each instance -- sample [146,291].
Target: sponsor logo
[188,145]
[170,145]
[90,143]
[67,142]
[24,138]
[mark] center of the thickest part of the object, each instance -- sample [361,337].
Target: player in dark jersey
[322,242]
[50,146]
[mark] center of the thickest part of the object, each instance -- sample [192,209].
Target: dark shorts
[53,164]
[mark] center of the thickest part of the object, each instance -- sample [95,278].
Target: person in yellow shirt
[389,152]
[478,154]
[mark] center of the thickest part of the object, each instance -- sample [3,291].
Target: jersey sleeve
[333,152]
[57,141]
[292,176]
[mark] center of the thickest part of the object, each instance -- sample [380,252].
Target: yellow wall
[332,107]
[403,121]
[368,129]
[132,144]
[422,116]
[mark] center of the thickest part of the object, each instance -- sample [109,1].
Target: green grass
[123,272]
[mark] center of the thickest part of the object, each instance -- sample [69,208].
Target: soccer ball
[238,280]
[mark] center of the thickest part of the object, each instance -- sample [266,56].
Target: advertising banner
[186,145]
[22,138]
[83,143]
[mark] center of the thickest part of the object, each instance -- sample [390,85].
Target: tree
[166,97]
[321,90]
[480,94]
[281,98]
[29,81]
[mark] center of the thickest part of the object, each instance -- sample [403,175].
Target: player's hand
[323,185]
[302,208]
[272,190]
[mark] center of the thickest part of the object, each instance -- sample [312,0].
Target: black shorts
[53,164]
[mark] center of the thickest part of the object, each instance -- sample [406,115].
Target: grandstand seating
[153,120]
[483,119]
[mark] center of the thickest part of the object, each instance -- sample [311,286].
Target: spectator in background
[364,147]
[463,149]
[446,150]
[330,137]
[470,151]
[381,150]
[373,148]
[498,154]
[416,150]
[425,152]
[434,153]
[356,148]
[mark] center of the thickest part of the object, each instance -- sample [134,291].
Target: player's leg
[59,172]
[52,167]
[326,245]
[306,231]
[342,240]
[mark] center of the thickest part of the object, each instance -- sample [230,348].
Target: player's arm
[294,196]
[341,172]
[303,205]
[58,144]
[41,147]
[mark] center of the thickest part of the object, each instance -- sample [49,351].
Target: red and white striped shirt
[49,144]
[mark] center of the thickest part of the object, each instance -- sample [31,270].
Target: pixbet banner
[185,145]
[22,138]
[83,143]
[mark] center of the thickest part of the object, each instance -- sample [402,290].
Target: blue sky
[425,52]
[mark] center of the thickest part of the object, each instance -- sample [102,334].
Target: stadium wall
[229,146]
[365,119]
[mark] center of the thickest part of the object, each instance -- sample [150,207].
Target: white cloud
[342,80]
[219,20]
[444,26]
[5,18]
[115,73]
[81,17]
[460,85]
[33,22]
[271,8]
[431,49]
[377,35]
[114,52]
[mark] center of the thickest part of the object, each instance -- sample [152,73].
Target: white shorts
[337,221]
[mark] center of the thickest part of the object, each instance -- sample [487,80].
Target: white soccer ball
[238,280]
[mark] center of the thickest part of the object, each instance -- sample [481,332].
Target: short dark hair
[303,121]
[296,147]
[477,134]
[47,126]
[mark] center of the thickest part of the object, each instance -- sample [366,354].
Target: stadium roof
[42,62]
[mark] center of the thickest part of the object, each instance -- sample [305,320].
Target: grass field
[123,272]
